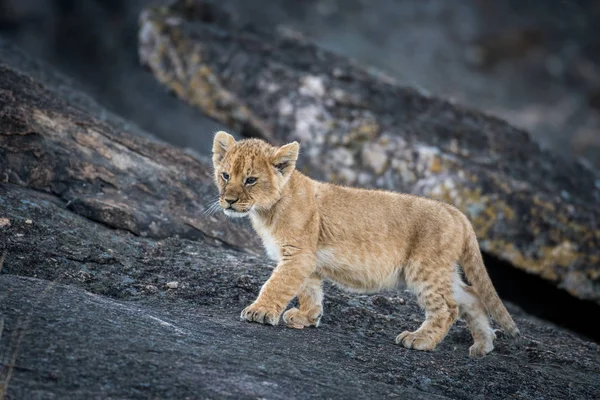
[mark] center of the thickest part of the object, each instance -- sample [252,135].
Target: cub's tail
[472,264]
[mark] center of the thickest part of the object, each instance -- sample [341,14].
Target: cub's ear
[284,159]
[222,142]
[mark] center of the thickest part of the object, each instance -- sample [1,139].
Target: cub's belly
[359,272]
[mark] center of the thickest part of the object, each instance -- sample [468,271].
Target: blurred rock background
[534,63]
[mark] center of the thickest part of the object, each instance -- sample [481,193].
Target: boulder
[54,141]
[530,208]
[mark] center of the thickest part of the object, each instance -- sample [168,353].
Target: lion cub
[364,240]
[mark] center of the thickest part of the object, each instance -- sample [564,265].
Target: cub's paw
[415,340]
[480,349]
[294,318]
[261,314]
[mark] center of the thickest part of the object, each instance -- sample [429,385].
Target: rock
[124,180]
[94,43]
[108,337]
[279,87]
[374,156]
[172,285]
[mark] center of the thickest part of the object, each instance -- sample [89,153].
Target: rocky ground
[87,312]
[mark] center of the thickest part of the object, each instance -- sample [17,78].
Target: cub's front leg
[310,309]
[286,280]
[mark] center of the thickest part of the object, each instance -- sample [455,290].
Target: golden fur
[364,240]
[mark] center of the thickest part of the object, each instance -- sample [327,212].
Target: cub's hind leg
[473,312]
[310,309]
[433,286]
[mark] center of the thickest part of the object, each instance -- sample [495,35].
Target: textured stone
[101,171]
[508,186]
[86,312]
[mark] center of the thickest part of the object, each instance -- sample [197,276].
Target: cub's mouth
[233,213]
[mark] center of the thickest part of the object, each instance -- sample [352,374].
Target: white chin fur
[236,214]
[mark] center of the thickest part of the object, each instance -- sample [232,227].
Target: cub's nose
[231,201]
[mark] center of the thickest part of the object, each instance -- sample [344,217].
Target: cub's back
[354,211]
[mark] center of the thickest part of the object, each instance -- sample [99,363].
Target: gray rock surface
[86,313]
[55,139]
[93,42]
[532,63]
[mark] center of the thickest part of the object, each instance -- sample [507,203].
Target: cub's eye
[251,181]
[225,176]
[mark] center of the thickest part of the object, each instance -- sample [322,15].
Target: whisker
[216,207]
[211,209]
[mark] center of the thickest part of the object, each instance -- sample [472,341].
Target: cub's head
[250,174]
